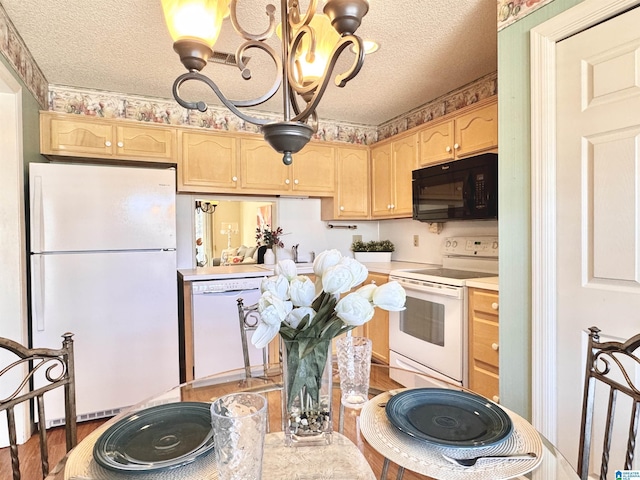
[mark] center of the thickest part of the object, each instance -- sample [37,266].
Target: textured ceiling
[428,48]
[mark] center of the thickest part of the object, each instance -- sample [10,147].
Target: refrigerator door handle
[37,290]
[37,231]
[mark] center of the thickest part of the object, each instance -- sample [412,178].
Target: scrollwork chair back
[606,362]
[53,368]
[249,318]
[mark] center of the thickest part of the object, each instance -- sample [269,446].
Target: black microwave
[464,189]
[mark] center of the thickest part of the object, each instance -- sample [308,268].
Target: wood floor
[29,453]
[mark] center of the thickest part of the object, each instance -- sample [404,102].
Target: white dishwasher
[216,328]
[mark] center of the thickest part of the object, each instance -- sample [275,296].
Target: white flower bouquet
[308,315]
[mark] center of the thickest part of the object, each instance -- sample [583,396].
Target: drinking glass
[239,423]
[354,366]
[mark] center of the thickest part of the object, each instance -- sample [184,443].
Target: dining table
[368,443]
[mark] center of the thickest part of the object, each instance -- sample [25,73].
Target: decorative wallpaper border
[479,89]
[154,110]
[18,55]
[510,11]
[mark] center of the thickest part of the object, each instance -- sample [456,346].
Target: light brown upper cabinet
[392,164]
[81,136]
[208,162]
[262,170]
[471,131]
[351,197]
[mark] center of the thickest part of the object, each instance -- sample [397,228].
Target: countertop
[488,283]
[255,270]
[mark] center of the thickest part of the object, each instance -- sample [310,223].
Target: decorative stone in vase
[307,391]
[269,257]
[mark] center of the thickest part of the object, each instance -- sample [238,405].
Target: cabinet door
[352,184]
[377,329]
[76,137]
[208,163]
[405,160]
[477,131]
[483,343]
[146,143]
[261,168]
[436,143]
[314,170]
[381,181]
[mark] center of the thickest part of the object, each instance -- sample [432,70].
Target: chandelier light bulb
[311,46]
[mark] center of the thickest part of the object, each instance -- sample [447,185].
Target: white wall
[401,233]
[300,221]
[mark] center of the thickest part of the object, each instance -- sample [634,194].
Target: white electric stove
[430,335]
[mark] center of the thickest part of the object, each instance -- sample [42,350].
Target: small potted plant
[373,251]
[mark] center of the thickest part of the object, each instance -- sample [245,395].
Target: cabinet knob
[494,305]
[388,206]
[392,206]
[107,143]
[120,144]
[496,398]
[234,179]
[448,149]
[495,346]
[296,181]
[287,181]
[342,208]
[456,146]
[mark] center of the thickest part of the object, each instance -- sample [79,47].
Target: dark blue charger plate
[449,418]
[157,438]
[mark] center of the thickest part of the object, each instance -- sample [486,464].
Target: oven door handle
[430,287]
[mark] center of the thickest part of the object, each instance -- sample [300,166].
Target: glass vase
[307,392]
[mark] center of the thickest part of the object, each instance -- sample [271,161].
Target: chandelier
[311,44]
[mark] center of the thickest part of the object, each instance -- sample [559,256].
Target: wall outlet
[356,238]
[416,240]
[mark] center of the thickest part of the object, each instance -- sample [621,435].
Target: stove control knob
[454,244]
[448,244]
[494,245]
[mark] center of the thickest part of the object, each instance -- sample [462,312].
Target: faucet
[294,252]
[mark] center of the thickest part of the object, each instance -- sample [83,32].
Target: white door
[598,203]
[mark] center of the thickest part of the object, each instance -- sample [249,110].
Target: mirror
[223,227]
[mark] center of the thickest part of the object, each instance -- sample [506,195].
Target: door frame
[543,199]
[13,259]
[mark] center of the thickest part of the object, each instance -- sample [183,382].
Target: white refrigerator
[103,266]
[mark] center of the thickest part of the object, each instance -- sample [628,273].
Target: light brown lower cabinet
[377,329]
[484,349]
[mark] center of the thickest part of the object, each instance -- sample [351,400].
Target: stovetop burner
[452,273]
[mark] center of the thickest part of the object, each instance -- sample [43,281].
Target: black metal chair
[41,370]
[613,364]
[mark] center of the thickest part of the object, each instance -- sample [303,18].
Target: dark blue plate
[157,438]
[449,418]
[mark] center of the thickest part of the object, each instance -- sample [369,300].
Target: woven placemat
[340,460]
[426,458]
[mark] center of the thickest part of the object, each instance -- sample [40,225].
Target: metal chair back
[55,369]
[607,362]
[249,318]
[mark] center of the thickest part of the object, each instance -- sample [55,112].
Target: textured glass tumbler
[239,423]
[354,366]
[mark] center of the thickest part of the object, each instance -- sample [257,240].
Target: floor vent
[225,58]
[87,416]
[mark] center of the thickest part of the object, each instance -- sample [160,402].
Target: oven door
[430,331]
